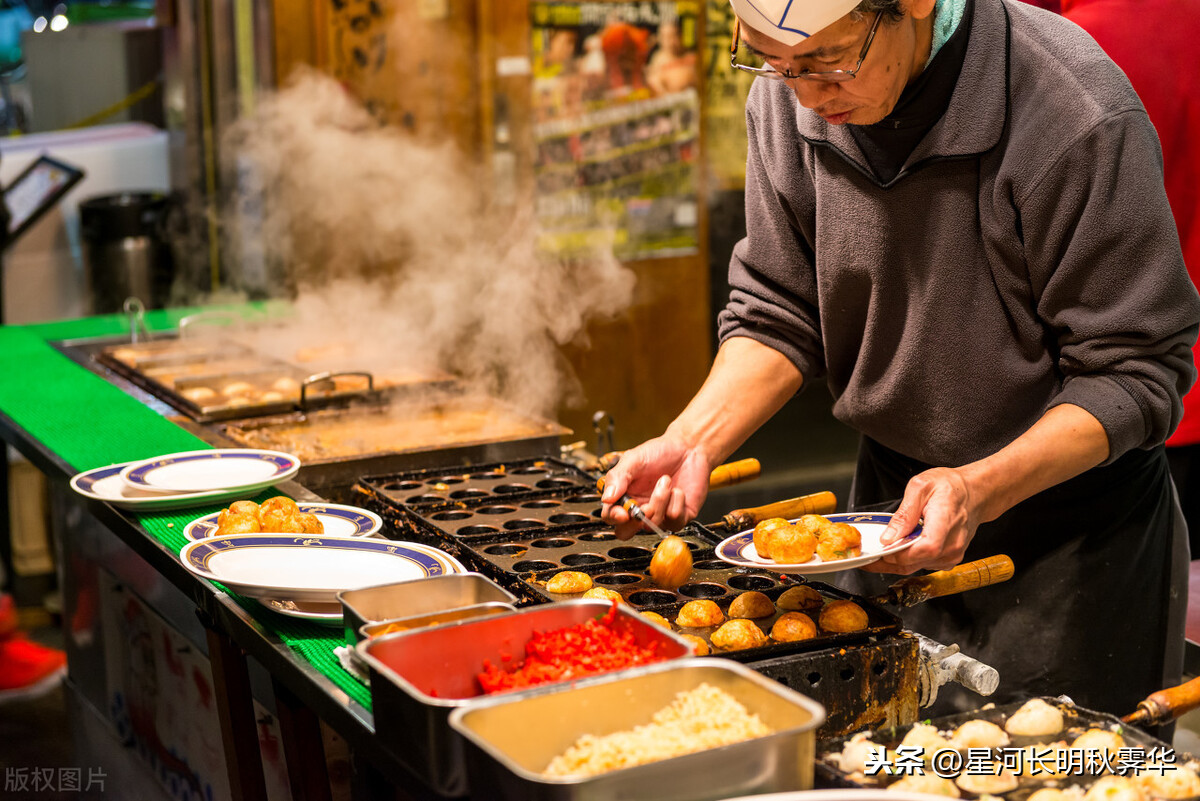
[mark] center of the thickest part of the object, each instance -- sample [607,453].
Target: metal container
[407,599]
[419,677]
[511,741]
[432,619]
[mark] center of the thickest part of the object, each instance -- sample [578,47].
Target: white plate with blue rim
[228,469]
[105,484]
[309,568]
[330,614]
[336,521]
[739,549]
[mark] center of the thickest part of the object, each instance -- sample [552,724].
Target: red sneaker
[27,669]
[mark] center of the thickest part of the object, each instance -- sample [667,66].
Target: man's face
[895,58]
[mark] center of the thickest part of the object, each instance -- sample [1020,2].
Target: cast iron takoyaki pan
[431,490]
[720,582]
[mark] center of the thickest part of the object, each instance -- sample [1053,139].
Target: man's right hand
[665,477]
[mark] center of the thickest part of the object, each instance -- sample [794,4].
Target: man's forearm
[1066,441]
[748,383]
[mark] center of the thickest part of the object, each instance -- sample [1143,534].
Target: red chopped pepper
[572,652]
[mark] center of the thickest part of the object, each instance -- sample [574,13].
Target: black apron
[1096,607]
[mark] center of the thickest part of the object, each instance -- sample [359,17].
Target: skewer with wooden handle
[818,503]
[1165,705]
[968,576]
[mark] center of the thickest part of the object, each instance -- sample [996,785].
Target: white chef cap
[790,22]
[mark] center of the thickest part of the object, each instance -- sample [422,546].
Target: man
[955,213]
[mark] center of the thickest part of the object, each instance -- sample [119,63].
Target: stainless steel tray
[406,599]
[459,615]
[419,677]
[510,741]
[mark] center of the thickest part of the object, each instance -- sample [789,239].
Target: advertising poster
[617,127]
[725,101]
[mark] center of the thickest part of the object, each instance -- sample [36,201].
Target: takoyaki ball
[278,514]
[699,646]
[738,634]
[1099,740]
[310,523]
[671,564]
[698,614]
[800,599]
[569,582]
[793,627]
[1168,781]
[235,388]
[751,604]
[279,503]
[994,783]
[927,738]
[763,532]
[603,593]
[858,751]
[1035,718]
[927,783]
[792,545]
[1114,788]
[814,524]
[199,395]
[238,509]
[238,524]
[270,396]
[979,734]
[286,384]
[843,616]
[657,619]
[839,541]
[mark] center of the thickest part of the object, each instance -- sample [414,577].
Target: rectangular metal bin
[511,741]
[418,597]
[419,677]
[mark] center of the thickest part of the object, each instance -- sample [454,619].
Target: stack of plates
[301,575]
[293,574]
[191,478]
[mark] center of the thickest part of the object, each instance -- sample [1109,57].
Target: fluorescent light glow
[39,25]
[59,23]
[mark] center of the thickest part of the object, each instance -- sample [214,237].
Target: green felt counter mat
[90,423]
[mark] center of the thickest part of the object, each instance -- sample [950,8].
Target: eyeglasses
[775,75]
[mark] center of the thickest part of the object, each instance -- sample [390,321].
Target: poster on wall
[725,101]
[617,115]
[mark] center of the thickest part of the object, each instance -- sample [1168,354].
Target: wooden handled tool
[731,473]
[969,576]
[819,503]
[725,475]
[1165,705]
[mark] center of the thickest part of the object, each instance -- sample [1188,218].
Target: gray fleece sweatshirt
[1024,257]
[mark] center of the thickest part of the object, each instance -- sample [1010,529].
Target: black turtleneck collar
[887,143]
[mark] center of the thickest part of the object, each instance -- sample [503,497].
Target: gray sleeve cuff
[1126,422]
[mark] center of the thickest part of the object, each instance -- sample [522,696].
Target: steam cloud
[395,264]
